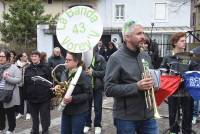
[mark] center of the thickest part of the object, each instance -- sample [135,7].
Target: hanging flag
[169,84]
[192,83]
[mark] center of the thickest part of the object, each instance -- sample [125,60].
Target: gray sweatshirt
[11,84]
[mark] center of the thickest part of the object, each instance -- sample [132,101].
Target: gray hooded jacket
[123,71]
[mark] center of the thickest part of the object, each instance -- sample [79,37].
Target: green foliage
[20,23]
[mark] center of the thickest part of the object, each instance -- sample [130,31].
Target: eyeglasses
[2,56]
[68,60]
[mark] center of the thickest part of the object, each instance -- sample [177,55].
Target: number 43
[79,28]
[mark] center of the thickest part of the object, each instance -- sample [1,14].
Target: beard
[137,47]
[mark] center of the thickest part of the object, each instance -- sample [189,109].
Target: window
[164,46]
[120,12]
[198,13]
[193,19]
[160,11]
[49,1]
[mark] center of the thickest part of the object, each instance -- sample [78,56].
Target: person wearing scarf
[22,63]
[73,116]
[9,76]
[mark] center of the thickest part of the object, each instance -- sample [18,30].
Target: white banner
[79,29]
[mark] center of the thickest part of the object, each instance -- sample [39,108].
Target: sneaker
[9,132]
[28,116]
[19,116]
[86,129]
[194,120]
[97,130]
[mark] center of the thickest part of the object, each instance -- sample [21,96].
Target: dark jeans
[186,104]
[73,124]
[196,108]
[44,110]
[97,98]
[142,127]
[20,108]
[10,113]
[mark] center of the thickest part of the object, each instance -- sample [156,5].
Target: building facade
[195,22]
[161,18]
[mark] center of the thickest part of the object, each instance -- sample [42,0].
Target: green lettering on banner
[94,18]
[79,28]
[70,46]
[83,11]
[75,29]
[77,11]
[89,14]
[75,47]
[82,27]
[84,46]
[66,40]
[69,13]
[63,23]
[83,31]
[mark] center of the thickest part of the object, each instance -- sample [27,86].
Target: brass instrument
[143,48]
[60,88]
[71,88]
[149,94]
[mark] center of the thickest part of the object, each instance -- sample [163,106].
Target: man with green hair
[124,82]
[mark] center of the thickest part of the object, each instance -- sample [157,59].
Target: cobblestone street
[24,127]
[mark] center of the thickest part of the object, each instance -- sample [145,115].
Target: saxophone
[71,87]
[60,88]
[64,89]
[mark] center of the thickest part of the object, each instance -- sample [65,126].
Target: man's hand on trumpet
[145,84]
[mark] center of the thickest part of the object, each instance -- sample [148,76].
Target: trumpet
[149,94]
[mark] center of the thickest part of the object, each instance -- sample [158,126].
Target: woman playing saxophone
[73,115]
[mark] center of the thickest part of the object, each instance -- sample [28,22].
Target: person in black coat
[111,49]
[38,93]
[100,49]
[180,99]
[97,72]
[56,59]
[77,105]
[151,47]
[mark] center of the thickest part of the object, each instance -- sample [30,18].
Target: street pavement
[24,126]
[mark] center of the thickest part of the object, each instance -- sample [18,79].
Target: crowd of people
[117,72]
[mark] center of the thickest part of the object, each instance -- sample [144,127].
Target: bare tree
[177,4]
